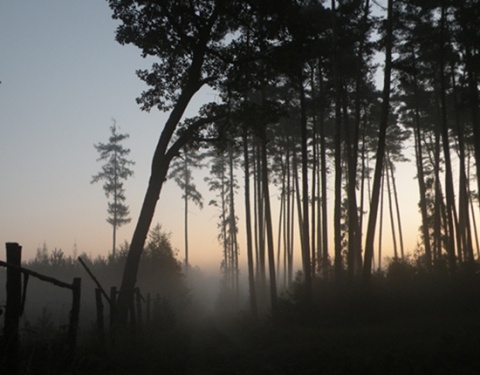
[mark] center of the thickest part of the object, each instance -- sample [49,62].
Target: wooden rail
[48,279]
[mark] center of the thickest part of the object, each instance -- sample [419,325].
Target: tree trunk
[268,223]
[233,224]
[291,222]
[351,145]
[248,227]
[260,228]
[397,208]
[338,157]
[390,209]
[380,229]
[187,184]
[363,177]
[372,219]
[305,222]
[160,164]
[422,190]
[289,219]
[463,229]
[450,199]
[474,105]
[323,177]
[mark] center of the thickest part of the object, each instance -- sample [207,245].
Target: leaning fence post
[12,311]
[74,315]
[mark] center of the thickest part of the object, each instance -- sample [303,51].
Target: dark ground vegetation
[410,322]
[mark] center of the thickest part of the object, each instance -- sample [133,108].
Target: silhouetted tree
[114,171]
[382,133]
[181,172]
[190,40]
[223,182]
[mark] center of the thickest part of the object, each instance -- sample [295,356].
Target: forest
[318,100]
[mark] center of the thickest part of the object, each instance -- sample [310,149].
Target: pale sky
[64,78]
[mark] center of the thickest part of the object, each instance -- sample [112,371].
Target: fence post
[74,315]
[100,321]
[113,306]
[148,309]
[12,311]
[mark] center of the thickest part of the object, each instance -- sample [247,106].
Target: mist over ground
[408,321]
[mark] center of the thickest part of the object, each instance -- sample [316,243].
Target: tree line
[299,108]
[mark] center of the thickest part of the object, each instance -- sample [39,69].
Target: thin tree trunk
[446,147]
[260,227]
[471,67]
[289,222]
[315,207]
[363,177]
[291,230]
[372,219]
[351,145]
[438,241]
[323,166]
[233,223]
[422,188]
[298,198]
[356,137]
[268,223]
[380,229]
[390,210]
[114,245]
[187,182]
[226,247]
[115,194]
[397,208]
[279,234]
[338,155]
[248,227]
[305,222]
[472,210]
[463,228]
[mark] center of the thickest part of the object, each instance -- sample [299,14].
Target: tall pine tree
[114,171]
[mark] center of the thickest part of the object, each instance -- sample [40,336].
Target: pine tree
[114,171]
[181,172]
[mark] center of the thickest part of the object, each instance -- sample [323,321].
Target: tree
[181,172]
[382,133]
[114,171]
[223,182]
[161,271]
[190,40]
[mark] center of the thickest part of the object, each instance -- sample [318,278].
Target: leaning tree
[191,41]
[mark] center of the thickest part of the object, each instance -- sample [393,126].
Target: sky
[64,78]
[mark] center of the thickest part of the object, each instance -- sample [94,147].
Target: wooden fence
[16,301]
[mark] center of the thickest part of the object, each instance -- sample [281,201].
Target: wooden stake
[12,311]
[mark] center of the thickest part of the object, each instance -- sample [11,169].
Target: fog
[47,303]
